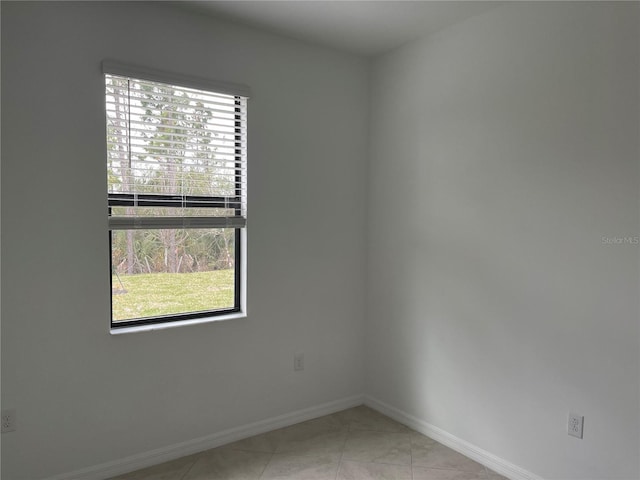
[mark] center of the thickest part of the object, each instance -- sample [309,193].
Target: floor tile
[328,422]
[373,471]
[311,437]
[365,418]
[495,476]
[421,473]
[378,447]
[286,466]
[420,444]
[439,456]
[265,442]
[225,464]
[173,470]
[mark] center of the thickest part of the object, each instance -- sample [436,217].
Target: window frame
[238,199]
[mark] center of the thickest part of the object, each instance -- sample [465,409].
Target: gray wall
[502,150]
[85,397]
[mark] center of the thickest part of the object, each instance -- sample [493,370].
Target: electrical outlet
[8,421]
[576,423]
[298,362]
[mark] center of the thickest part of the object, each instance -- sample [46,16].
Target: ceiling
[361,27]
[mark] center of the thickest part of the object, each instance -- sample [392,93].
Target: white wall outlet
[8,420]
[576,423]
[298,362]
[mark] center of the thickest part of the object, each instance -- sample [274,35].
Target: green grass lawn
[154,294]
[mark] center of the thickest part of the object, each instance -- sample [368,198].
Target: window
[176,175]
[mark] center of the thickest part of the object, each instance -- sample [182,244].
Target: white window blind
[176,155]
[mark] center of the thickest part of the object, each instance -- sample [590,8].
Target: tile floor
[355,444]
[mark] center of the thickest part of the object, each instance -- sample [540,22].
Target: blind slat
[212,127]
[133,223]
[137,100]
[150,111]
[135,126]
[166,94]
[173,146]
[141,136]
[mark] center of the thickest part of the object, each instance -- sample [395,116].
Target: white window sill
[181,323]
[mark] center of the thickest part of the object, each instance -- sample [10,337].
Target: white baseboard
[497,464]
[171,452]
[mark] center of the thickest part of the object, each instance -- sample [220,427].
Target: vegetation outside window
[176,174]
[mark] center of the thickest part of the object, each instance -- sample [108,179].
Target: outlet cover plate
[575,425]
[298,362]
[8,421]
